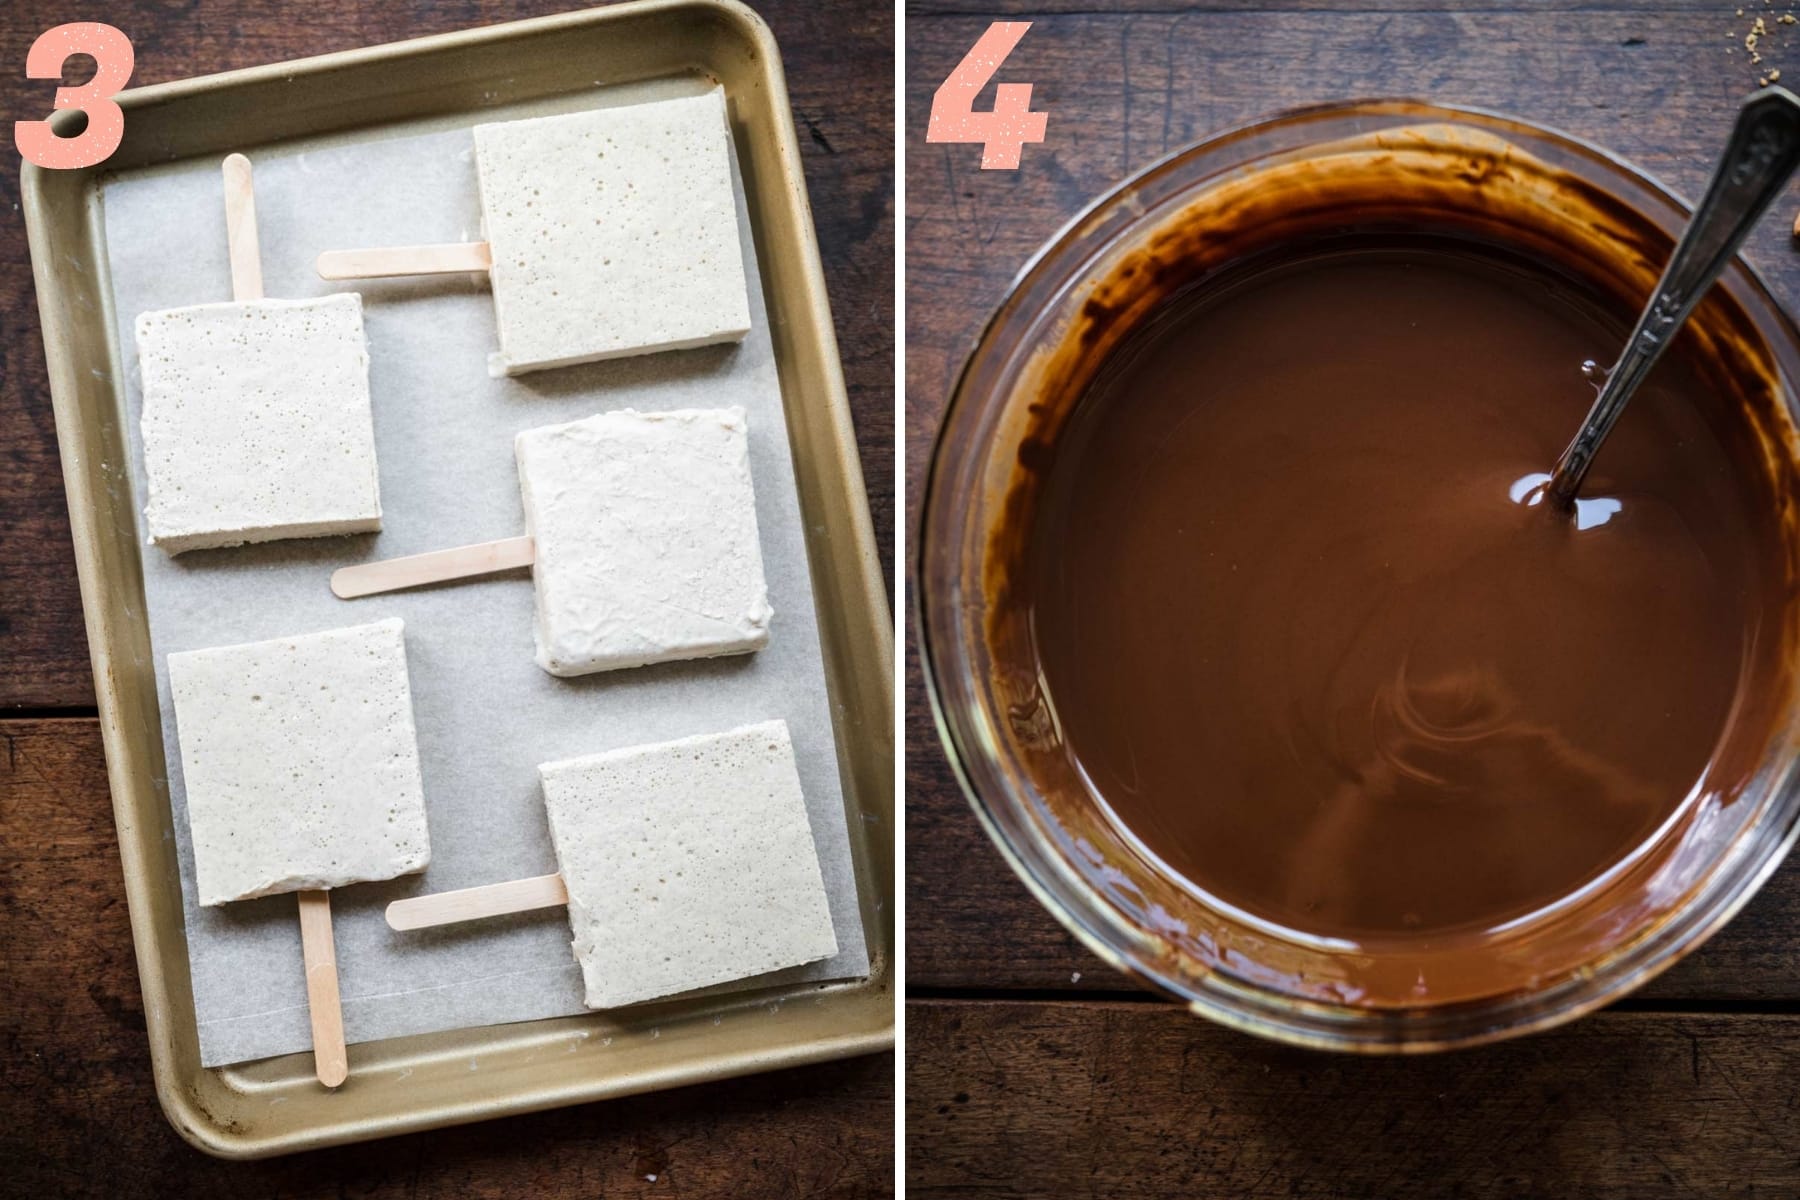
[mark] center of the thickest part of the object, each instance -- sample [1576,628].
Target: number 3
[113,61]
[1002,132]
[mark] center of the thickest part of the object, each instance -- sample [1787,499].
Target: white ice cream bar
[301,762]
[612,232]
[687,864]
[646,543]
[256,422]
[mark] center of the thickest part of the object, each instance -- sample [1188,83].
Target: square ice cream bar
[612,232]
[687,864]
[256,422]
[646,542]
[301,763]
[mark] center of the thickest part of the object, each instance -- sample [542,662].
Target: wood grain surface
[78,1114]
[1123,85]
[1131,1100]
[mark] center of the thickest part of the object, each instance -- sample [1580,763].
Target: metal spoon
[1763,151]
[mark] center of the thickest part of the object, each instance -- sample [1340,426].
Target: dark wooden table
[1033,1070]
[78,1115]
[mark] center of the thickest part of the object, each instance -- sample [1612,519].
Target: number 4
[1002,132]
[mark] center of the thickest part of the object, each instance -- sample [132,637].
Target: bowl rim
[1239,1003]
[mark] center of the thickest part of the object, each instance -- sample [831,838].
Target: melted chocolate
[1302,640]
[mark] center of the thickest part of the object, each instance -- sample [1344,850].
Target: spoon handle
[1763,151]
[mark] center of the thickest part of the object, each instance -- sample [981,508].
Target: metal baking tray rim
[63,218]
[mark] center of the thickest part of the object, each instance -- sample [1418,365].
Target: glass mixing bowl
[1385,165]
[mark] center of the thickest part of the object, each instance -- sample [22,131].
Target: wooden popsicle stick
[240,230]
[449,258]
[472,904]
[330,1060]
[438,566]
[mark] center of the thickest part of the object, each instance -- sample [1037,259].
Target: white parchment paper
[486,714]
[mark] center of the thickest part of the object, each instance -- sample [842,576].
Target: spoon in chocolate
[1763,151]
